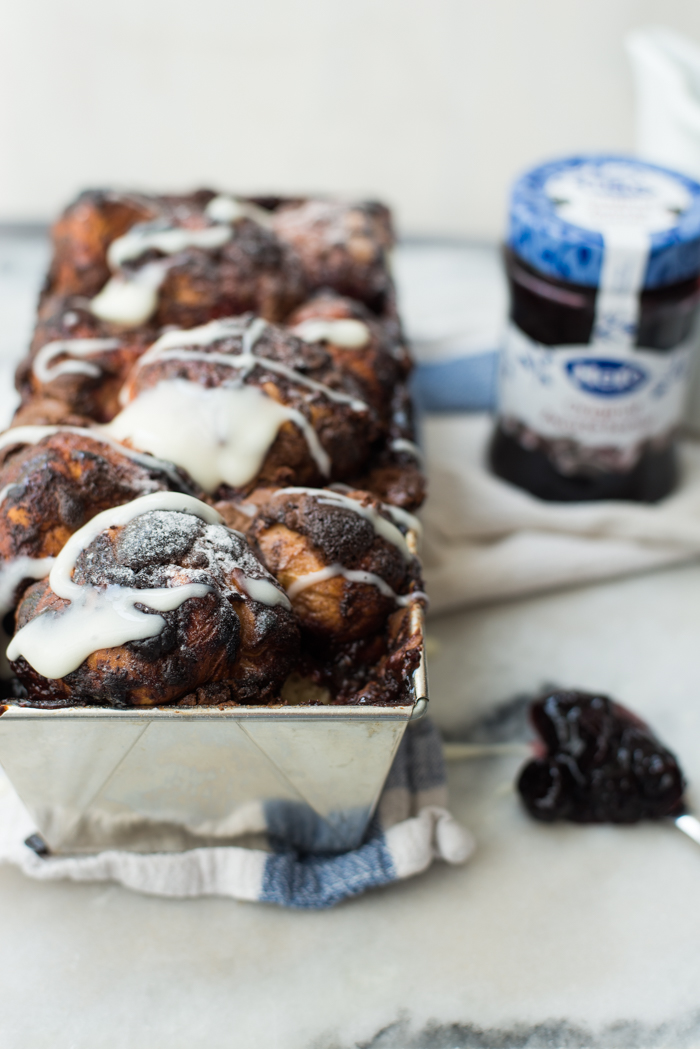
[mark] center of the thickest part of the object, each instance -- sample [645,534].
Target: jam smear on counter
[597,763]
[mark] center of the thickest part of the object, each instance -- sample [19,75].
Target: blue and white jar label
[598,396]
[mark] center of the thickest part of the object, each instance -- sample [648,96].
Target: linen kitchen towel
[412,827]
[486,539]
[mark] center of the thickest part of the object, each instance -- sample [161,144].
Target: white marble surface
[559,937]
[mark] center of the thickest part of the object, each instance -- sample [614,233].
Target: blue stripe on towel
[314,882]
[302,876]
[463,384]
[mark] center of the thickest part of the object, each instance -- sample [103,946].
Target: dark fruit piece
[602,764]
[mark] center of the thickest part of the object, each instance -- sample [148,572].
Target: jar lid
[561,214]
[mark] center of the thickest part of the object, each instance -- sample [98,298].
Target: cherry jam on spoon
[599,763]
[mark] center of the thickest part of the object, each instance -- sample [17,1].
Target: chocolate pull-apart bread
[215,355]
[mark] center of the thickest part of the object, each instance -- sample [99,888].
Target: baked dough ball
[172,260]
[229,633]
[341,246]
[372,350]
[342,557]
[51,485]
[82,235]
[77,364]
[240,403]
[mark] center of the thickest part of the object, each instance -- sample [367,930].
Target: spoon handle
[461,751]
[690,825]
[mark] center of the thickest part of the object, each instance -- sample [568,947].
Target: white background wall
[431,104]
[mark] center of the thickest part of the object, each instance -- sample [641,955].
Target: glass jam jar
[603,265]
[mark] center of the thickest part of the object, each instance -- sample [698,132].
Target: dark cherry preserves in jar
[603,264]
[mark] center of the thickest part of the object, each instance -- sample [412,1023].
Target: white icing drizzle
[218,434]
[34,434]
[13,572]
[248,509]
[252,333]
[71,348]
[246,362]
[230,209]
[204,335]
[57,643]
[405,518]
[400,444]
[348,333]
[130,301]
[353,576]
[180,346]
[167,240]
[264,591]
[401,516]
[382,527]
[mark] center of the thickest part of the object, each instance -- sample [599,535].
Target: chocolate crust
[373,671]
[63,319]
[341,246]
[54,487]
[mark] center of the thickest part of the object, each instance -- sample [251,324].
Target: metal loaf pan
[169,778]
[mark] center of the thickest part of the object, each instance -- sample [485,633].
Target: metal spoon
[690,825]
[461,751]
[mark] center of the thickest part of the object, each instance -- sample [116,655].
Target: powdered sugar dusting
[161,544]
